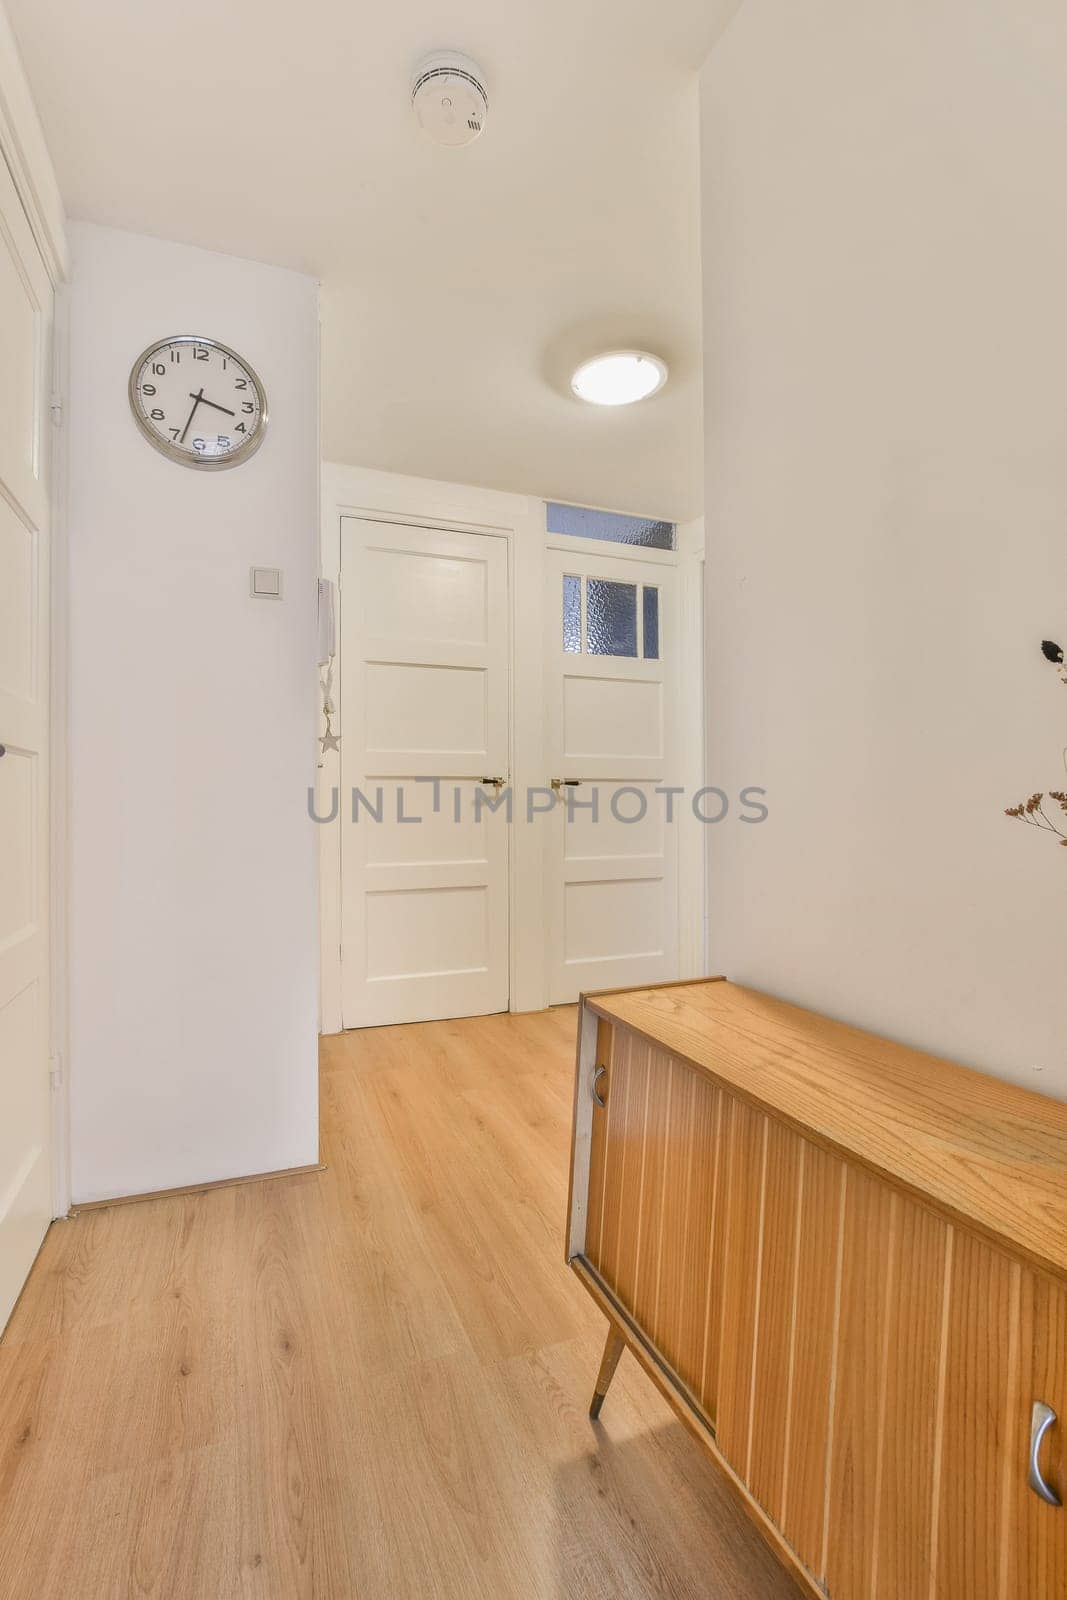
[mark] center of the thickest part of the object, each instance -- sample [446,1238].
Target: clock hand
[214,403]
[196,399]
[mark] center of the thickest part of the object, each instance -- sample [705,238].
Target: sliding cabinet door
[653,1232]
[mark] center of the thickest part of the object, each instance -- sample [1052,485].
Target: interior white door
[25,1109]
[611,694]
[424,697]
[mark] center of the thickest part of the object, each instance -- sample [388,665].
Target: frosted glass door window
[607,617]
[650,604]
[572,615]
[611,626]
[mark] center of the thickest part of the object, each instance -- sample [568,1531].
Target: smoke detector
[449,98]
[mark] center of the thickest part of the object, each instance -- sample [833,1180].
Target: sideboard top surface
[989,1153]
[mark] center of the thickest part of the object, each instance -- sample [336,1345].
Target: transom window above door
[607,617]
[583,522]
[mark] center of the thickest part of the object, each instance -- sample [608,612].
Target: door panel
[25,1119]
[614,721]
[611,690]
[424,711]
[601,919]
[424,708]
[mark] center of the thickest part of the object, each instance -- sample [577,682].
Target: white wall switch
[266,583]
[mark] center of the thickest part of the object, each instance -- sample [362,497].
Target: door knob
[1042,1419]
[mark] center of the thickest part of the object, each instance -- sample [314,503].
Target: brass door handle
[566,783]
[1042,1419]
[601,1102]
[492,783]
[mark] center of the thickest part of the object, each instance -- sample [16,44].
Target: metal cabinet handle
[566,783]
[1043,1418]
[601,1102]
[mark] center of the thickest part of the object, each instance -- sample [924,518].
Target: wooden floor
[369,1382]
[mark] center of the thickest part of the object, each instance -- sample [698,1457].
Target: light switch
[266,583]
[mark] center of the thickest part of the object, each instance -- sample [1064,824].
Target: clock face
[198,402]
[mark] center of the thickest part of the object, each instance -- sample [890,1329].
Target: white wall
[193,932]
[885,258]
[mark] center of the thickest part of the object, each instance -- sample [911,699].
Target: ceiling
[460,287]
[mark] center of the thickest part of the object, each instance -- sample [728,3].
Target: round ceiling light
[619,377]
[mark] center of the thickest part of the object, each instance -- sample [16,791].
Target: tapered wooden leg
[613,1349]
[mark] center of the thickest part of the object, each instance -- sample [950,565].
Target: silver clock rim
[165,446]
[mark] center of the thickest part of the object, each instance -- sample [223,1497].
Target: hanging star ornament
[329,740]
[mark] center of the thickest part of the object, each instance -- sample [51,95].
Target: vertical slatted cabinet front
[653,1233]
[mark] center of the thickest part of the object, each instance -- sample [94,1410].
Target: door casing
[27,1194]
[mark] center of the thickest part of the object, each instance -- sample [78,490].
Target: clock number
[223,441]
[159,369]
[148,388]
[174,432]
[176,355]
[198,354]
[240,383]
[247,405]
[157,415]
[240,428]
[199,444]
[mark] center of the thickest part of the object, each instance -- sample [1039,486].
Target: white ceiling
[460,287]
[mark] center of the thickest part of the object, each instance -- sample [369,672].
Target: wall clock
[198,402]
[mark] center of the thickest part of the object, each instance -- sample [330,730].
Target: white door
[611,700]
[25,1119]
[424,697]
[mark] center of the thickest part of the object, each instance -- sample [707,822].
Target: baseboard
[192,1188]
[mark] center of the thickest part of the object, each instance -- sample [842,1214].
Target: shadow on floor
[651,1515]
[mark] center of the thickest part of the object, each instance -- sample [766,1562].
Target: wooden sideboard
[845,1264]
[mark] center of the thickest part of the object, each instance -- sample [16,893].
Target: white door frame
[392,497]
[24,152]
[693,839]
